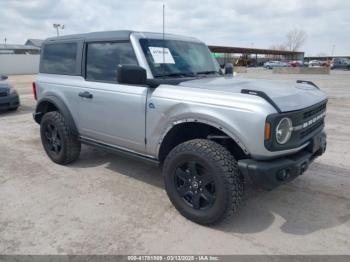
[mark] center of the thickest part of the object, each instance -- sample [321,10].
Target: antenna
[163,39]
[163,35]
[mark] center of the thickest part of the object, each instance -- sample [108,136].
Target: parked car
[164,100]
[340,63]
[315,63]
[9,99]
[273,64]
[295,63]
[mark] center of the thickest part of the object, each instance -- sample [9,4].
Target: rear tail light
[34,91]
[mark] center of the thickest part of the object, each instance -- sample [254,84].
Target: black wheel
[13,109]
[202,181]
[57,138]
[348,67]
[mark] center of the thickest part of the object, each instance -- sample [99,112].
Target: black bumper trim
[272,173]
[9,102]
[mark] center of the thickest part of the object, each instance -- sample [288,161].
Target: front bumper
[272,173]
[9,102]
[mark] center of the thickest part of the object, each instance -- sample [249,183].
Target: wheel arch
[178,133]
[53,103]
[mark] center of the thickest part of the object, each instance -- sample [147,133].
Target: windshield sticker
[161,58]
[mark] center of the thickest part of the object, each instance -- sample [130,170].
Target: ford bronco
[165,100]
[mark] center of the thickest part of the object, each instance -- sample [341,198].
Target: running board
[120,151]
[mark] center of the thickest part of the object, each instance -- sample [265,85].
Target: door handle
[86,94]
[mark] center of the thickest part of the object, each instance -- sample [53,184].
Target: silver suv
[164,99]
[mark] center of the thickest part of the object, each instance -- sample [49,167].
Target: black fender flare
[41,109]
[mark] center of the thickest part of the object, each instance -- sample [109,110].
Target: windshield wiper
[182,74]
[176,75]
[207,72]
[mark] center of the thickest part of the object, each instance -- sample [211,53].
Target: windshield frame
[165,70]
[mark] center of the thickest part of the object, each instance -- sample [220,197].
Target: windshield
[173,58]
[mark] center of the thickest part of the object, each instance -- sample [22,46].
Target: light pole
[58,26]
[333,47]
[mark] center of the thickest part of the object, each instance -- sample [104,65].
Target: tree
[280,47]
[295,39]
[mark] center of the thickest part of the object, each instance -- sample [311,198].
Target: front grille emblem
[309,122]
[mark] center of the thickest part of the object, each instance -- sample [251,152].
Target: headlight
[12,91]
[284,130]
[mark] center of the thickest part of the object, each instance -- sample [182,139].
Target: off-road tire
[229,184]
[70,148]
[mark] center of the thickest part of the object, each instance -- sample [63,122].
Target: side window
[102,60]
[59,58]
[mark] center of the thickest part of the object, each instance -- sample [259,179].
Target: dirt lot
[107,204]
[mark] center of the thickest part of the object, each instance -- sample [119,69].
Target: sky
[253,23]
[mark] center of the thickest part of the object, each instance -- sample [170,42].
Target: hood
[4,86]
[287,95]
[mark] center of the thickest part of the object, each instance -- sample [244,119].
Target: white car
[315,63]
[272,64]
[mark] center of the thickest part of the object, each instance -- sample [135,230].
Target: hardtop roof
[116,35]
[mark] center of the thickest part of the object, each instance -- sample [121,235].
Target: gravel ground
[107,204]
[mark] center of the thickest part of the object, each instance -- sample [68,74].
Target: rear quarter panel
[63,87]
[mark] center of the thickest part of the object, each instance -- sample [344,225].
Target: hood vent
[262,95]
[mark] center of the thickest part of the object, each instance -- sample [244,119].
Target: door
[109,112]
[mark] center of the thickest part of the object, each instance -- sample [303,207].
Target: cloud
[226,22]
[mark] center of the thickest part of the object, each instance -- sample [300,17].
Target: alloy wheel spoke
[54,132]
[195,185]
[208,196]
[49,129]
[55,148]
[58,141]
[196,201]
[183,175]
[48,136]
[183,190]
[193,168]
[206,179]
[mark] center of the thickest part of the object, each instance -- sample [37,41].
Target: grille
[306,123]
[311,129]
[6,105]
[3,94]
[314,111]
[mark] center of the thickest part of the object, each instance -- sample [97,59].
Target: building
[251,56]
[31,46]
[18,49]
[34,42]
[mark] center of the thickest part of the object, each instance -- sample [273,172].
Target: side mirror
[3,77]
[228,69]
[131,74]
